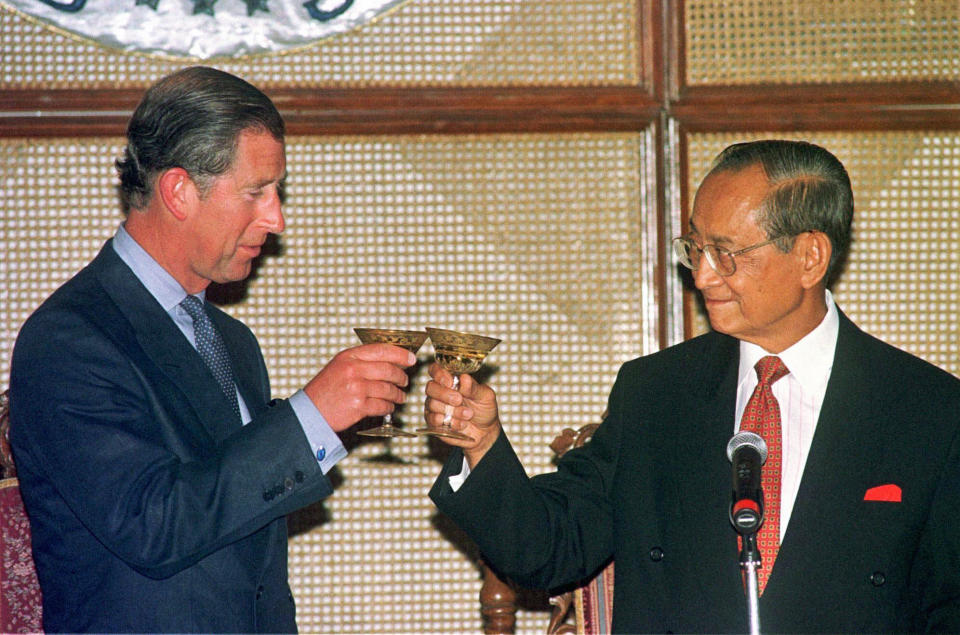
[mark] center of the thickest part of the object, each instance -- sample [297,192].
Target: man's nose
[705,276]
[273,215]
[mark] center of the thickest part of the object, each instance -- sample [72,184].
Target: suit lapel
[164,344]
[843,436]
[712,403]
[705,485]
[842,457]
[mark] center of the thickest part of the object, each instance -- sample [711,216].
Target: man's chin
[236,273]
[719,322]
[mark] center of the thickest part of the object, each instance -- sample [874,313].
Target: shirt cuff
[457,480]
[324,442]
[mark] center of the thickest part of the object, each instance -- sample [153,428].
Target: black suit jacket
[152,509]
[652,490]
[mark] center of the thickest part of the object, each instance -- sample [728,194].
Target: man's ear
[177,192]
[815,251]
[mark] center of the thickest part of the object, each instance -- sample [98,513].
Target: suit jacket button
[878,578]
[288,483]
[299,476]
[259,592]
[656,554]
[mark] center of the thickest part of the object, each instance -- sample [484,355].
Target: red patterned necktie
[762,416]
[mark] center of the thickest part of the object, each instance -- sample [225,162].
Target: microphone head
[748,439]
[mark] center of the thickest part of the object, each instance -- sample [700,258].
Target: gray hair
[191,119]
[809,190]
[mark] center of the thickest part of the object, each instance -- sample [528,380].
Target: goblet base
[447,434]
[385,431]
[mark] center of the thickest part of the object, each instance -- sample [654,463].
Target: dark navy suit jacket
[152,508]
[652,490]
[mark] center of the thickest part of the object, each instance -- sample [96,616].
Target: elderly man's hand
[472,410]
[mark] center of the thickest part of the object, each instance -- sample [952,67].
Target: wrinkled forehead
[726,205]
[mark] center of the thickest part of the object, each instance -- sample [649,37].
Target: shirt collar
[810,360]
[155,278]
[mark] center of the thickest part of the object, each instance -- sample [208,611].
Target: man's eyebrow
[259,184]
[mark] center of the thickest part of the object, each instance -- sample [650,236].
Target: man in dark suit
[869,448]
[154,465]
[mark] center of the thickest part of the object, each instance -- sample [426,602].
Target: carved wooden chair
[590,607]
[20,599]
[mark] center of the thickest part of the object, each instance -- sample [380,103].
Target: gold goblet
[410,340]
[458,353]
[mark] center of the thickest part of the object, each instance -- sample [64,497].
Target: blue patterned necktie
[212,349]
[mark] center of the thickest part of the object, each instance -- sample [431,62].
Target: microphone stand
[749,562]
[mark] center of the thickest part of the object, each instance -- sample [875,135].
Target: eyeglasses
[720,259]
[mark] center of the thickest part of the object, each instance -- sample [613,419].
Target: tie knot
[770,369]
[193,306]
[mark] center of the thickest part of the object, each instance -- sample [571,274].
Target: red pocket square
[888,493]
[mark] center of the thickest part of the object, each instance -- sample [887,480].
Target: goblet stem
[448,415]
[446,427]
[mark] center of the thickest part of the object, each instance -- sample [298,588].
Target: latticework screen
[418,43]
[902,280]
[543,241]
[548,242]
[793,41]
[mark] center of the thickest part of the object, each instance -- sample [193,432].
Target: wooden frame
[60,113]
[663,99]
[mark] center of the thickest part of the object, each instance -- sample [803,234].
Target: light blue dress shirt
[324,442]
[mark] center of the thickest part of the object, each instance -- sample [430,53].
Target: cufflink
[321,452]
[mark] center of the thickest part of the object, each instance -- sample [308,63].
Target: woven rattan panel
[757,41]
[419,43]
[902,280]
[541,241]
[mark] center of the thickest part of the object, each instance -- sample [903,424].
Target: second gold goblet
[458,353]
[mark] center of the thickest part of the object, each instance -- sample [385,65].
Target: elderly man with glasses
[861,485]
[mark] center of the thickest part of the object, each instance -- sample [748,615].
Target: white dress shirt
[800,395]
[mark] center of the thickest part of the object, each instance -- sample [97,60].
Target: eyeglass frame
[703,251]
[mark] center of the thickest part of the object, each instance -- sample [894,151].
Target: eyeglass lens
[689,254]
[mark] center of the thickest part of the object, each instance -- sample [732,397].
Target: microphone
[747,451]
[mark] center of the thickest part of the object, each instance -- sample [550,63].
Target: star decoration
[203,6]
[256,5]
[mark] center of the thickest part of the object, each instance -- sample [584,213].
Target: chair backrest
[590,605]
[21,608]
[20,599]
[7,467]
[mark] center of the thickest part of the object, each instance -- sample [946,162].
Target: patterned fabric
[762,416]
[212,349]
[594,604]
[20,599]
